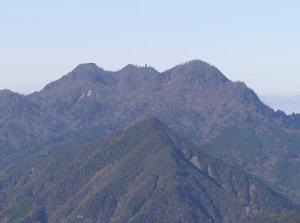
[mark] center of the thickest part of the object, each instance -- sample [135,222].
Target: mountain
[20,119]
[146,173]
[283,218]
[225,118]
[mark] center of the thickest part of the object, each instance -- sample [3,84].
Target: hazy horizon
[254,42]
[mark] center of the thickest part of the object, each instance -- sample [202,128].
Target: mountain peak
[196,63]
[135,68]
[130,67]
[8,93]
[198,70]
[87,67]
[88,72]
[151,123]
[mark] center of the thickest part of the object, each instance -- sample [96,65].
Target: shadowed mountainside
[143,174]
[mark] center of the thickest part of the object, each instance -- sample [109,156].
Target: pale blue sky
[254,41]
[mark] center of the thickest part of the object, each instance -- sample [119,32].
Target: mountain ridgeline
[146,173]
[224,119]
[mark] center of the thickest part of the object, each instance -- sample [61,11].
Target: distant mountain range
[225,119]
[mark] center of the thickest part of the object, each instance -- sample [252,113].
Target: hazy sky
[256,41]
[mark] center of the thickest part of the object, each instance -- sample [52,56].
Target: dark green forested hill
[143,174]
